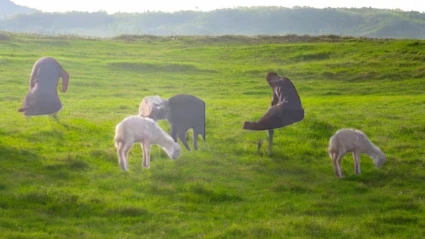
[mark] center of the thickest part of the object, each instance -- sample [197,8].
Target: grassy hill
[247,21]
[62,180]
[9,8]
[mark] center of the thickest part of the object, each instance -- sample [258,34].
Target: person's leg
[270,133]
[276,117]
[268,121]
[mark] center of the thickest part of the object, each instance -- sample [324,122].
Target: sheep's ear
[162,105]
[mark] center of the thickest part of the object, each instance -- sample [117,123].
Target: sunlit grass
[62,180]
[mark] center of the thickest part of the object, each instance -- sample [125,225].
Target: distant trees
[9,8]
[367,22]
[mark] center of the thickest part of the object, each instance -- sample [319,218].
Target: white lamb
[146,131]
[356,142]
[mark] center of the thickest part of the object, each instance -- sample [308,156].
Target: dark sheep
[186,111]
[182,111]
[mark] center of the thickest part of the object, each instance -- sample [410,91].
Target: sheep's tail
[118,139]
[333,146]
[117,143]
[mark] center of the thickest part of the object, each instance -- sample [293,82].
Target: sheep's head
[162,110]
[154,107]
[379,159]
[174,151]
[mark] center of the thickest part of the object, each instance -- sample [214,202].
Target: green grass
[63,180]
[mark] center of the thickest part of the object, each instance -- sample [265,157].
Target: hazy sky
[112,6]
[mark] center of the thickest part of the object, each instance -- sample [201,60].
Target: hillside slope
[364,22]
[9,8]
[62,179]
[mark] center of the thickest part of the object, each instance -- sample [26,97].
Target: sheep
[154,107]
[186,111]
[354,141]
[182,111]
[146,131]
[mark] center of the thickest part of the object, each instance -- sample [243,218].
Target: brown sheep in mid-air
[285,109]
[42,97]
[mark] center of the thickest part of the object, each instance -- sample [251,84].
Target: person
[42,97]
[285,109]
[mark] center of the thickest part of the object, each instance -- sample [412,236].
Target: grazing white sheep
[356,142]
[146,131]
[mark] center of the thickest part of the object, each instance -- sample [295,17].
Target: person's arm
[275,98]
[32,82]
[33,75]
[65,80]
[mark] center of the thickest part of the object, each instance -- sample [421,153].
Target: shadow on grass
[306,228]
[16,162]
[395,224]
[12,157]
[55,202]
[69,163]
[128,211]
[54,120]
[317,128]
[43,135]
[201,193]
[22,167]
[106,155]
[160,67]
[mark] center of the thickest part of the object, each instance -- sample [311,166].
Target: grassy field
[62,180]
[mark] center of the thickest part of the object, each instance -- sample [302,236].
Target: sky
[113,6]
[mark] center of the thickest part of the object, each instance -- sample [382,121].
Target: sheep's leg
[339,159]
[270,133]
[195,140]
[124,165]
[173,133]
[182,137]
[147,155]
[335,163]
[356,157]
[120,156]
[144,158]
